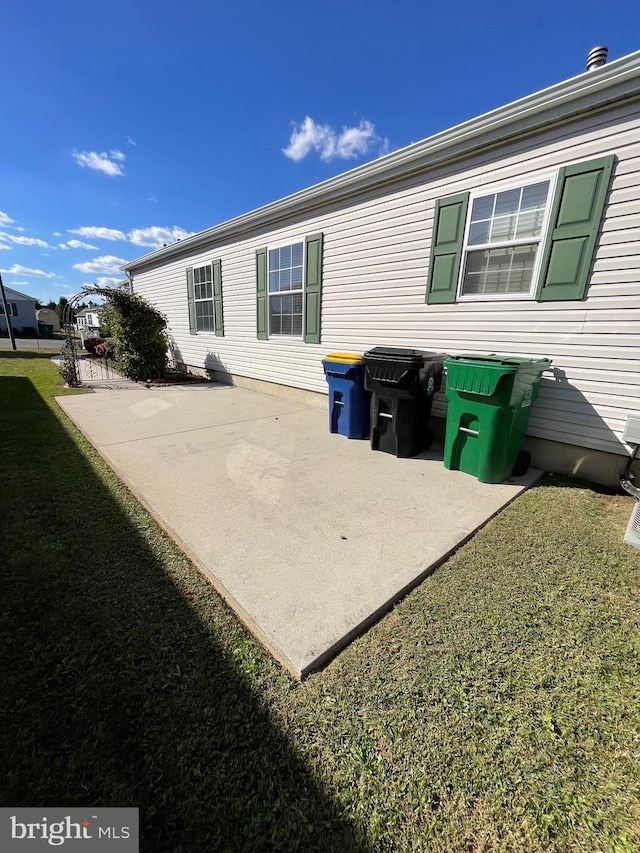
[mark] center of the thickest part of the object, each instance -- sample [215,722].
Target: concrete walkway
[310,537]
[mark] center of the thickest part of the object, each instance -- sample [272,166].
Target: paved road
[52,344]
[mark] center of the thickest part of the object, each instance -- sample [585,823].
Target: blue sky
[132,124]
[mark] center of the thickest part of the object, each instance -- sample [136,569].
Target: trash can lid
[493,358]
[344,357]
[411,357]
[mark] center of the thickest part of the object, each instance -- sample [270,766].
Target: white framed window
[13,309]
[203,298]
[502,243]
[285,268]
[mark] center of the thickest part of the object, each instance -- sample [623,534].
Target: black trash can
[402,383]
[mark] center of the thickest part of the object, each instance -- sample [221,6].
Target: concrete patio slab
[310,537]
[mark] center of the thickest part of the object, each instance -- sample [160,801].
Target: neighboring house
[49,316]
[88,318]
[22,312]
[515,232]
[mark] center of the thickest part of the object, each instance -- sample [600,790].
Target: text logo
[33,829]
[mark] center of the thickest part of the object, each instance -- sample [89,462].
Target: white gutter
[610,82]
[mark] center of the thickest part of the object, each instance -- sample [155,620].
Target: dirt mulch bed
[176,377]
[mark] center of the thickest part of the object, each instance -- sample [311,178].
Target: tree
[52,305]
[59,309]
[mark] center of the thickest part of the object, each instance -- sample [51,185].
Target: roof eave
[553,104]
[21,295]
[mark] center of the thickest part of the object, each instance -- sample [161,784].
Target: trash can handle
[393,381]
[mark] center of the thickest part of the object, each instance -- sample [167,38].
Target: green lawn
[496,708]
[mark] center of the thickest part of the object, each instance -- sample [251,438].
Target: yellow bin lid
[344,357]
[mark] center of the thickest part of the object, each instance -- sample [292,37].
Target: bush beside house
[137,332]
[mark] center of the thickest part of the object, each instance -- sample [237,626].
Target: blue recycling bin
[348,399]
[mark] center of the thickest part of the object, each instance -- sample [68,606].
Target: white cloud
[17,269]
[307,137]
[109,163]
[31,241]
[24,241]
[97,233]
[5,246]
[152,197]
[357,141]
[350,143]
[103,281]
[77,244]
[5,219]
[57,234]
[156,237]
[20,283]
[130,141]
[104,264]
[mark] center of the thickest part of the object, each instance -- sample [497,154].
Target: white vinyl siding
[375,261]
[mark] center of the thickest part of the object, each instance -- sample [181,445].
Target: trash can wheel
[523,460]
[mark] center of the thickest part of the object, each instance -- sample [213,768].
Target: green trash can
[490,398]
[45,329]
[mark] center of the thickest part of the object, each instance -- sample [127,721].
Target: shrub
[105,349]
[68,365]
[139,333]
[90,344]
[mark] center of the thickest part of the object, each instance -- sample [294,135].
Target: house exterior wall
[87,320]
[376,256]
[26,316]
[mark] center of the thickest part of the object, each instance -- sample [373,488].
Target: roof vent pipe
[597,57]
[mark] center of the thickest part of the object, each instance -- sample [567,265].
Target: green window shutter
[312,288]
[261,284]
[446,248]
[575,219]
[217,298]
[191,303]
